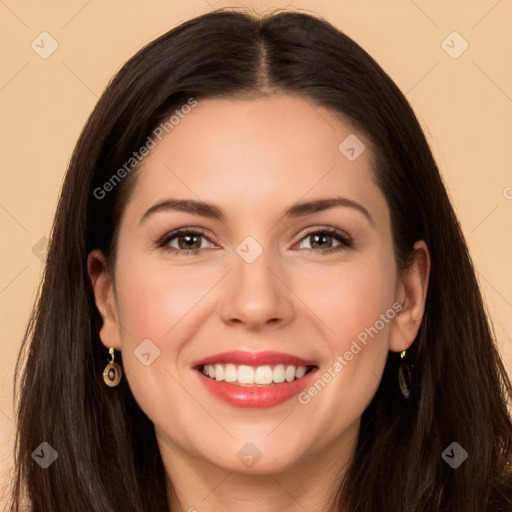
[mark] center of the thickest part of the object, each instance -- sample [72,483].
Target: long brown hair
[108,458]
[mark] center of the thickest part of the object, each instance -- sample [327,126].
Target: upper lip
[253,359]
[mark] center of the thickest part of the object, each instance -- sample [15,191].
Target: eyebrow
[297,210]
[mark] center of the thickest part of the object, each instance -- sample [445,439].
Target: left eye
[321,240]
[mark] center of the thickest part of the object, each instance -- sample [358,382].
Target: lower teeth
[254,385]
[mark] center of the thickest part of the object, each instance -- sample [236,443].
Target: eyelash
[340,236]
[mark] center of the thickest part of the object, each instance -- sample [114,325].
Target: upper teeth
[243,374]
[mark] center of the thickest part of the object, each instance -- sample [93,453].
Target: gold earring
[405,376]
[112,373]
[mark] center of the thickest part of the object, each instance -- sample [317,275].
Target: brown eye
[191,241]
[185,240]
[326,241]
[319,241]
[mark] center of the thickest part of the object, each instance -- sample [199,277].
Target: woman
[258,296]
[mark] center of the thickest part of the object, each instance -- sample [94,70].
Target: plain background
[463,103]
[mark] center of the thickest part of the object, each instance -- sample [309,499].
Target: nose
[256,294]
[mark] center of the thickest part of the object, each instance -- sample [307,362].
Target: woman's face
[284,261]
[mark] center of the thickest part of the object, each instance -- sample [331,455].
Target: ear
[103,286]
[411,294]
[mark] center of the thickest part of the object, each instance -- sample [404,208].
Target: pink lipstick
[254,380]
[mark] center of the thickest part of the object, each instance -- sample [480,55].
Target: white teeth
[245,374]
[230,373]
[263,375]
[219,372]
[249,375]
[290,373]
[279,374]
[301,371]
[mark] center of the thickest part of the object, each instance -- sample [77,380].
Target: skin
[254,158]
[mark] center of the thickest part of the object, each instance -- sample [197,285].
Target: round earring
[112,373]
[405,376]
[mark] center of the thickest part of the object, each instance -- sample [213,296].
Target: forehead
[256,155]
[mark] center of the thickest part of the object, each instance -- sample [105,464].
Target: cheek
[351,297]
[163,304]
[153,305]
[153,297]
[355,301]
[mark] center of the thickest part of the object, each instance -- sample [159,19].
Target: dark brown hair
[108,456]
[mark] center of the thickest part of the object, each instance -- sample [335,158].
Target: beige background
[464,104]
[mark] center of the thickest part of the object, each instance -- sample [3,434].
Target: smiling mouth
[259,376]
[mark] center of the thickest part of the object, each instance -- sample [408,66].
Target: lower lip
[255,397]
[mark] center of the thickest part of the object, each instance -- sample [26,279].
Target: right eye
[185,241]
